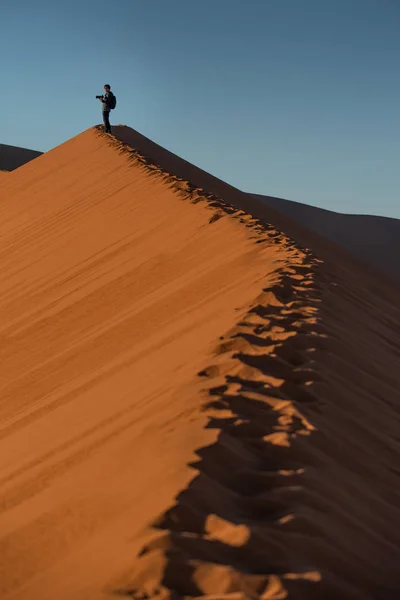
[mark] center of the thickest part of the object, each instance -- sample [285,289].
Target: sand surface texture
[192,403]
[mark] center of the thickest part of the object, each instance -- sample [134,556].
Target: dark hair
[108,86]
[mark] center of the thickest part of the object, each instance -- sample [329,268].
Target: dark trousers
[106,119]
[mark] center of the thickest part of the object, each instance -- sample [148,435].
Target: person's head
[107,88]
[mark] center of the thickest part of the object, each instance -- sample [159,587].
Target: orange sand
[192,403]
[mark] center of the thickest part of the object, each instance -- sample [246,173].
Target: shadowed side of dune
[12,157]
[295,498]
[371,238]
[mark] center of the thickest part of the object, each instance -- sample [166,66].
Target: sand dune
[326,248]
[193,403]
[12,157]
[370,238]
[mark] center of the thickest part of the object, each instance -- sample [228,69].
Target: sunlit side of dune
[114,287]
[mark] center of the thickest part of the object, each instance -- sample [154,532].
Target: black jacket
[107,101]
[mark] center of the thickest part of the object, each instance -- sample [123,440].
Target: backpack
[113,102]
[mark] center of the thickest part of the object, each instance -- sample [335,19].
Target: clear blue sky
[292,98]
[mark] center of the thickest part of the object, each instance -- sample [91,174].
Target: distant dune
[12,157]
[371,238]
[199,397]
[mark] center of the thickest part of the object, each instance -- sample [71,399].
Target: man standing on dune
[108,103]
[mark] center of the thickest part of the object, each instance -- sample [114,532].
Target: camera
[99,97]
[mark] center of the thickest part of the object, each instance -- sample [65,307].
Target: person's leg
[107,121]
